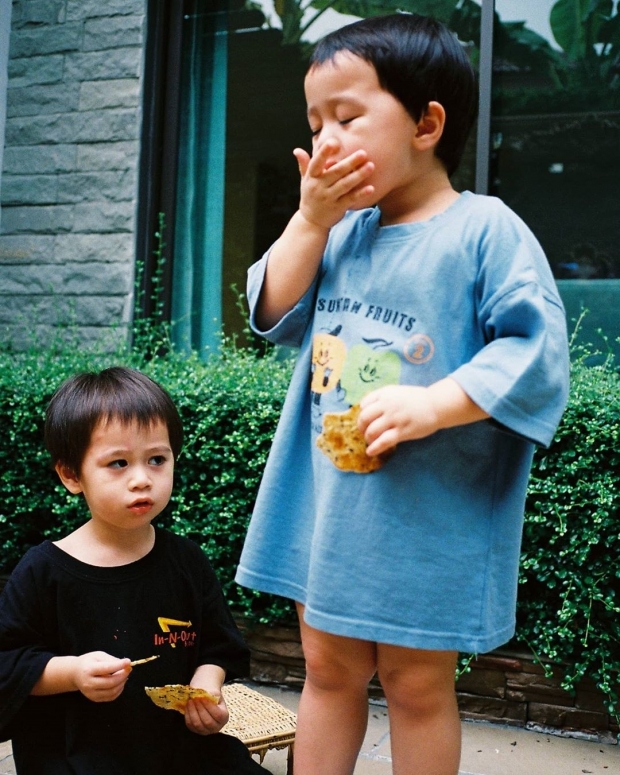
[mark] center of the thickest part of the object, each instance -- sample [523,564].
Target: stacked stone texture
[507,686]
[69,184]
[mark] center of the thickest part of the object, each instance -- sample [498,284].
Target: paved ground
[487,749]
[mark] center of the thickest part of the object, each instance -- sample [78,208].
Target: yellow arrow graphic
[165,624]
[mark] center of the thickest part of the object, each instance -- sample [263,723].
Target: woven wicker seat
[259,722]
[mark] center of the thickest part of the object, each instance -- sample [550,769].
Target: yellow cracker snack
[344,445]
[176,696]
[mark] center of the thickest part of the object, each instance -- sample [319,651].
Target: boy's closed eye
[342,121]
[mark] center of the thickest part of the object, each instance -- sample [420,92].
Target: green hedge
[229,406]
[569,596]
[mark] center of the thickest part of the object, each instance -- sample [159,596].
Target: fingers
[383,442]
[101,677]
[330,186]
[303,160]
[322,165]
[385,417]
[371,410]
[114,666]
[204,717]
[100,664]
[324,157]
[396,413]
[104,694]
[380,431]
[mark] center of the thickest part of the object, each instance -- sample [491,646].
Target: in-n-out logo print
[184,636]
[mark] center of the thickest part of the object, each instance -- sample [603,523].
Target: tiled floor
[487,749]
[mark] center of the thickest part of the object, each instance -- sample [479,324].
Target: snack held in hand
[344,444]
[113,438]
[176,696]
[144,661]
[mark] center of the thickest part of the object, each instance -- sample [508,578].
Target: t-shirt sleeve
[221,643]
[23,651]
[521,376]
[289,330]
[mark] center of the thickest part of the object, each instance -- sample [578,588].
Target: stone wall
[69,185]
[5,28]
[504,687]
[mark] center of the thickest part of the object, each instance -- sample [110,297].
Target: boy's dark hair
[418,60]
[87,399]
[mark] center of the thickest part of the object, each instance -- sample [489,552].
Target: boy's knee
[421,688]
[421,699]
[329,670]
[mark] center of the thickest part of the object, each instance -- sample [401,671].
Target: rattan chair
[259,722]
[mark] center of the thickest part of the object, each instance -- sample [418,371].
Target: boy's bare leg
[425,729]
[333,708]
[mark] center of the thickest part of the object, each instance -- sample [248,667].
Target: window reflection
[556,122]
[556,142]
[267,120]
[555,128]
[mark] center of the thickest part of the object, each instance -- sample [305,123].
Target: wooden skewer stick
[142,661]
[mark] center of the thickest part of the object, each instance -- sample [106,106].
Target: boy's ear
[430,126]
[68,478]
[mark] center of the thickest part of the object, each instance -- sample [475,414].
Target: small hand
[330,188]
[204,717]
[99,676]
[396,413]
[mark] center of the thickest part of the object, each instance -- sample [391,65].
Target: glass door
[242,114]
[556,145]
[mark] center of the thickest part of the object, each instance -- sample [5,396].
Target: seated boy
[76,612]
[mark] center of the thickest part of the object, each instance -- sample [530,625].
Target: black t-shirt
[168,603]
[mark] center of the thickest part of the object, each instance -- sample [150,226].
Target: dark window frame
[159,148]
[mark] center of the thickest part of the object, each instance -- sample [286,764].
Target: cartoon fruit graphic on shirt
[366,370]
[328,356]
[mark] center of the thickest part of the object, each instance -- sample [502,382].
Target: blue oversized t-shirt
[424,552]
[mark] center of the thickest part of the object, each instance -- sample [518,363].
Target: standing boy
[76,611]
[432,317]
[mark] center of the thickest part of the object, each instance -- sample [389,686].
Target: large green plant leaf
[291,14]
[465,21]
[599,13]
[523,47]
[567,20]
[578,25]
[609,34]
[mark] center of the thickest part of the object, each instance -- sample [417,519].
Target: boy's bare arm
[327,191]
[209,677]
[398,413]
[99,676]
[201,716]
[292,265]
